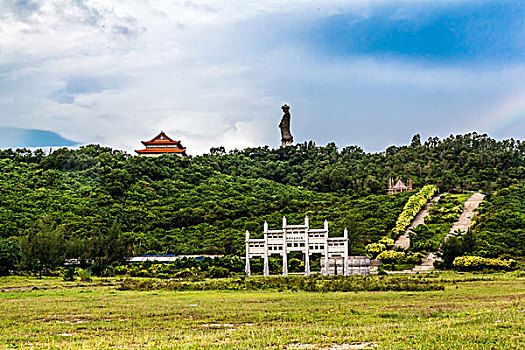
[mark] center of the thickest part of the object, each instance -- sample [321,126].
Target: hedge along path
[463,224]
[404,241]
[427,264]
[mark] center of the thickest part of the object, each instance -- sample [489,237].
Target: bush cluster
[374,249]
[478,263]
[390,256]
[387,241]
[395,261]
[314,283]
[71,273]
[219,267]
[412,207]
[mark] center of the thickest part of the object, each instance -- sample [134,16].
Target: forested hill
[470,161]
[204,204]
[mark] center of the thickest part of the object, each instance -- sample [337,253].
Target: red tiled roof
[169,146]
[161,138]
[160,142]
[161,150]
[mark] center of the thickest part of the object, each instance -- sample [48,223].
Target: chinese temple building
[162,144]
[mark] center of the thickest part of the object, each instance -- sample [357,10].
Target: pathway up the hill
[427,264]
[463,224]
[465,219]
[404,241]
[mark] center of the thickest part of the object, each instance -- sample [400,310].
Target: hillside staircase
[404,240]
[465,219]
[463,225]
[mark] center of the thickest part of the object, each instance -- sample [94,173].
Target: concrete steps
[465,219]
[463,224]
[427,265]
[404,241]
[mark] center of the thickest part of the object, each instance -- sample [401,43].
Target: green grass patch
[473,312]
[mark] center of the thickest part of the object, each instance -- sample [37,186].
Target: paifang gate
[301,238]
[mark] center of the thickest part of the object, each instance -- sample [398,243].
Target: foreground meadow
[473,312]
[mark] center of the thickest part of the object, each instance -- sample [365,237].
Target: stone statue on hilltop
[286,135]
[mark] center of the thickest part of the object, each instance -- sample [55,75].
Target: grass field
[473,312]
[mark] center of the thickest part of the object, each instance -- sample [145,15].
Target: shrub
[295,265]
[121,270]
[218,272]
[412,208]
[477,263]
[439,264]
[398,267]
[85,275]
[390,256]
[414,258]
[388,242]
[144,272]
[381,271]
[68,274]
[374,249]
[187,273]
[314,283]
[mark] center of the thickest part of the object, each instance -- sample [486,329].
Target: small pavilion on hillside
[162,144]
[399,186]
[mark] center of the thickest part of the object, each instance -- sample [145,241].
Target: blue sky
[17,137]
[479,32]
[212,73]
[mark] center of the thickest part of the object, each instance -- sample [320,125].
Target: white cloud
[216,73]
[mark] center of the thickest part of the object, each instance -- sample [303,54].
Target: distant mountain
[18,138]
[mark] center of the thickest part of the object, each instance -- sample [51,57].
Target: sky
[216,72]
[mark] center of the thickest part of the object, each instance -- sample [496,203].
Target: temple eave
[156,150]
[160,145]
[160,142]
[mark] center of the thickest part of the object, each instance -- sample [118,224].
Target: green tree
[451,249]
[416,141]
[109,248]
[43,249]
[9,255]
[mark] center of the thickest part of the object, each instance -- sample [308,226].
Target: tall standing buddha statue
[286,135]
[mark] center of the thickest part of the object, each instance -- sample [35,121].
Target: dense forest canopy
[204,204]
[470,161]
[499,227]
[168,205]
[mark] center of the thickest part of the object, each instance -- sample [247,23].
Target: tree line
[88,199]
